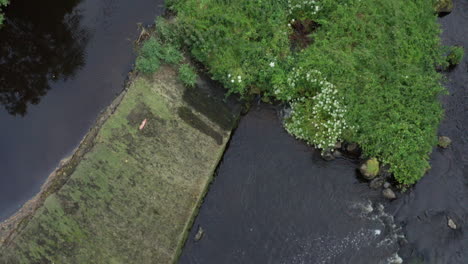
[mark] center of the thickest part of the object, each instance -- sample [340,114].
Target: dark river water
[274,200]
[61,63]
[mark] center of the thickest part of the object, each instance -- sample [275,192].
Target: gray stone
[352,147]
[386,185]
[376,183]
[388,193]
[443,6]
[327,155]
[384,173]
[451,224]
[338,145]
[337,154]
[199,234]
[444,142]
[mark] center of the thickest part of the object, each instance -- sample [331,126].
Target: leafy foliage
[187,75]
[455,55]
[149,58]
[367,75]
[153,52]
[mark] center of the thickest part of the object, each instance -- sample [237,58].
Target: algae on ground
[133,196]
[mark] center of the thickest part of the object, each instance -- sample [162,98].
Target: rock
[386,185]
[388,193]
[286,112]
[352,147]
[338,145]
[384,171]
[337,154]
[370,169]
[377,183]
[443,7]
[451,224]
[327,155]
[199,234]
[444,142]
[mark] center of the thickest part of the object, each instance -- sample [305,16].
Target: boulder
[451,224]
[444,142]
[376,183]
[370,168]
[384,171]
[388,193]
[337,154]
[443,7]
[199,234]
[327,155]
[338,145]
[352,147]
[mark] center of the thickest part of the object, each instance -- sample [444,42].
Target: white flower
[272,64]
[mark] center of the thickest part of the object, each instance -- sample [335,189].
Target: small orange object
[143,124]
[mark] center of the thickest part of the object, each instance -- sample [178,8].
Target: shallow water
[274,199]
[61,63]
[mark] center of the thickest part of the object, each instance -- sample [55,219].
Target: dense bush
[360,71]
[149,58]
[455,55]
[187,75]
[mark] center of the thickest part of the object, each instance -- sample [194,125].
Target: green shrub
[455,55]
[153,52]
[166,32]
[367,75]
[187,75]
[171,54]
[148,60]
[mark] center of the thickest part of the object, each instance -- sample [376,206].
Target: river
[61,63]
[274,200]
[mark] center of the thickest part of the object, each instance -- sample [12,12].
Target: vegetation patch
[3,3]
[358,71]
[455,55]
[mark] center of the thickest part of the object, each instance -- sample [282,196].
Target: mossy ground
[133,196]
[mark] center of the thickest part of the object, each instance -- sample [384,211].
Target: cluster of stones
[370,169]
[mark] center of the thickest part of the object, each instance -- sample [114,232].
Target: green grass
[360,71]
[133,196]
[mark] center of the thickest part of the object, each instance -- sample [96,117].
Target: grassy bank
[350,70]
[133,195]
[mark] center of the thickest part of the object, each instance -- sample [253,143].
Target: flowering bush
[318,119]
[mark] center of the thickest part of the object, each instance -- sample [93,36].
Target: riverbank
[132,189]
[355,71]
